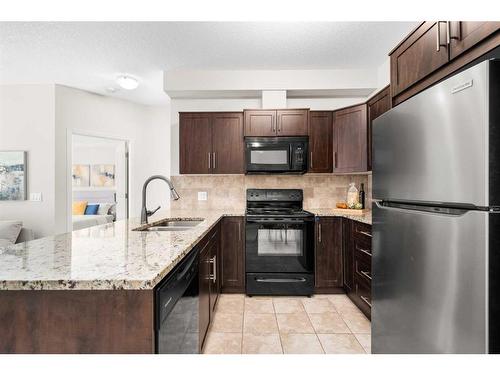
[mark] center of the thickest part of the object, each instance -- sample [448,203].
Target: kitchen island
[92,290]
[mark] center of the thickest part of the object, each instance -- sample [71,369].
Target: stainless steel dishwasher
[177,311]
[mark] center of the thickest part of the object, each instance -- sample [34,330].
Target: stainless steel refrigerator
[436,226]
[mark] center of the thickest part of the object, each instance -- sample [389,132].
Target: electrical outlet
[36,197]
[202,195]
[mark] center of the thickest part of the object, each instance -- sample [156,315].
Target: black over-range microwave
[276,155]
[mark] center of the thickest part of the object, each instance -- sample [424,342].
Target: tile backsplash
[228,191]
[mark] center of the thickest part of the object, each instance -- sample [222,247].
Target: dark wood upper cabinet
[227,141]
[195,143]
[424,51]
[292,122]
[233,255]
[260,123]
[350,139]
[435,50]
[328,250]
[377,105]
[465,34]
[320,142]
[211,142]
[272,123]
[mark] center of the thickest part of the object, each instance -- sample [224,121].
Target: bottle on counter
[352,195]
[362,196]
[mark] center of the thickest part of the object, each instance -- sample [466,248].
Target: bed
[94,197]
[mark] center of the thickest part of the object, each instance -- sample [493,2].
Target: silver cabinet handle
[239,231]
[167,303]
[364,251]
[335,159]
[215,163]
[209,160]
[365,300]
[319,232]
[447,32]
[365,233]
[438,37]
[311,159]
[366,274]
[214,274]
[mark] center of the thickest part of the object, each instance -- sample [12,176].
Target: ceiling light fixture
[127,82]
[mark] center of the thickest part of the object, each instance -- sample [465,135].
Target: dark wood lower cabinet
[328,250]
[233,255]
[77,321]
[204,293]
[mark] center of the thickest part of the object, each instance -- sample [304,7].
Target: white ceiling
[90,55]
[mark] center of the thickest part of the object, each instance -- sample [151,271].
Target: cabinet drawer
[363,291]
[362,232]
[362,249]
[362,270]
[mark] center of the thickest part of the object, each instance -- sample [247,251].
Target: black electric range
[279,243]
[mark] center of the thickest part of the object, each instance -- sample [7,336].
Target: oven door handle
[276,280]
[256,221]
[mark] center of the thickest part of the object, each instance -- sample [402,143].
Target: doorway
[99,180]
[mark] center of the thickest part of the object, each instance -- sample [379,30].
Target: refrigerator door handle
[436,210]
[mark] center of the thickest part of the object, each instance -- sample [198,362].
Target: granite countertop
[110,256]
[363,218]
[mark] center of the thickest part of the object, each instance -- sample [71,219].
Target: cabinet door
[320,142]
[213,249]
[228,146]
[420,54]
[204,296]
[350,139]
[465,34]
[195,143]
[292,122]
[377,105]
[329,252]
[233,255]
[260,123]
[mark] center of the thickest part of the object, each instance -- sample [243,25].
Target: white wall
[146,128]
[27,123]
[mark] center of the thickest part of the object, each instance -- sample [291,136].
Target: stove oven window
[280,242]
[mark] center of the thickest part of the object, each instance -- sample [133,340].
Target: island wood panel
[228,144]
[77,321]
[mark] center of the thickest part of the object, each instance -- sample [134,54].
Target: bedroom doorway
[100,174]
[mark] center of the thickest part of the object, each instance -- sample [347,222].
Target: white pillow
[9,230]
[104,208]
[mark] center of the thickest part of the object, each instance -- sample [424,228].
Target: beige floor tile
[344,305]
[287,305]
[357,322]
[328,323]
[259,305]
[317,305]
[222,343]
[260,323]
[300,343]
[261,344]
[294,323]
[365,340]
[227,323]
[230,303]
[340,343]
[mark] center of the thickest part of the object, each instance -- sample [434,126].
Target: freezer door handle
[437,210]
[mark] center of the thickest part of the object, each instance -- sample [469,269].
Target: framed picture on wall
[103,175]
[81,175]
[13,175]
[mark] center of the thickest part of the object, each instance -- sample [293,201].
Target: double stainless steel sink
[172,225]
